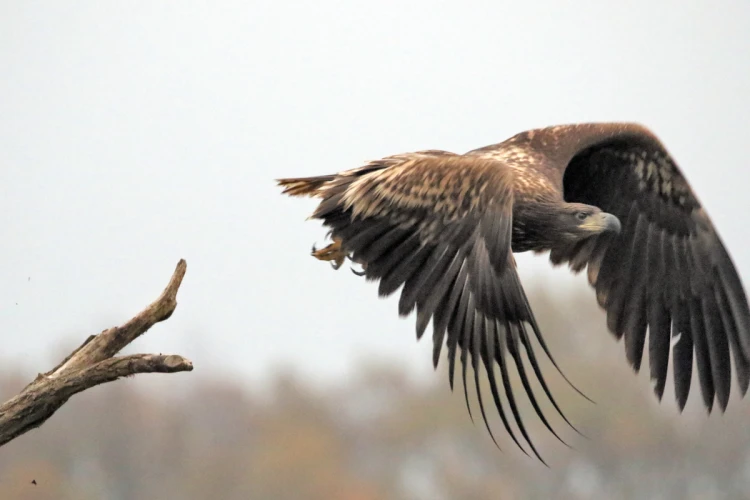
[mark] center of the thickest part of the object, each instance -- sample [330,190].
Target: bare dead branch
[92,364]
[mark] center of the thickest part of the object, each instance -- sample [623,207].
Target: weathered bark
[92,364]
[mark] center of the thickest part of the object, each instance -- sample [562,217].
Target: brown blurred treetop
[381,435]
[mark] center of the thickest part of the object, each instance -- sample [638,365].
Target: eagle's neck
[535,225]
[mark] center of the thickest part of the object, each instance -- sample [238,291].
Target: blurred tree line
[381,435]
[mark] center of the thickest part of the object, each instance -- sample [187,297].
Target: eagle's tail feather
[304,186]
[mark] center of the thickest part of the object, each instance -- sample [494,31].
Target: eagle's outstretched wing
[440,225]
[667,270]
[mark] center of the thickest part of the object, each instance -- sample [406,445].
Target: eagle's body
[606,197]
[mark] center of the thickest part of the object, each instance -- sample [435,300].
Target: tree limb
[92,364]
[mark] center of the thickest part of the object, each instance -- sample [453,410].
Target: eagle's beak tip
[612,223]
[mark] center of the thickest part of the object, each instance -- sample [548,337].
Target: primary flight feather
[603,196]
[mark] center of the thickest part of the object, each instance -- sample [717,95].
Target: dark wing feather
[439,226]
[668,266]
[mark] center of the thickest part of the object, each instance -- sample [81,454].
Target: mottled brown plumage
[606,197]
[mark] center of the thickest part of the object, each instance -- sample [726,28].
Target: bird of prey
[605,197]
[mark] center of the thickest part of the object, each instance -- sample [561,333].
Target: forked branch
[93,363]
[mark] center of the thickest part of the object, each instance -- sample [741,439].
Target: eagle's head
[577,221]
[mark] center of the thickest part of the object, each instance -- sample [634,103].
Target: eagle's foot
[333,253]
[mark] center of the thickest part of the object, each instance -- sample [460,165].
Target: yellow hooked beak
[602,222]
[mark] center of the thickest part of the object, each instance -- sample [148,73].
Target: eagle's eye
[581,215]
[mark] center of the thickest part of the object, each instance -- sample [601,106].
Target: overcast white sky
[136,133]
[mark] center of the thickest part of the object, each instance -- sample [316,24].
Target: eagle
[607,198]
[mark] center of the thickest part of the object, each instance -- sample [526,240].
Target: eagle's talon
[333,253]
[358,273]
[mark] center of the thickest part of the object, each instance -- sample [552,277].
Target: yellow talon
[333,252]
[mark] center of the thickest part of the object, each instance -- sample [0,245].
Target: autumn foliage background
[380,435]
